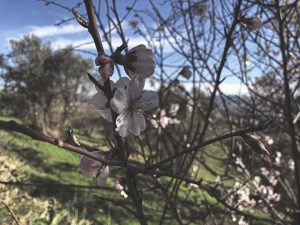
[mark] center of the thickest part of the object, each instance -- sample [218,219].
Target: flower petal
[99,100]
[100,81]
[89,166]
[140,47]
[144,67]
[106,114]
[122,122]
[148,100]
[103,176]
[136,87]
[123,82]
[137,124]
[120,100]
[140,62]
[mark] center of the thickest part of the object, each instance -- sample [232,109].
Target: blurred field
[55,193]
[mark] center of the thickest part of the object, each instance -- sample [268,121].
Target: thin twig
[10,212]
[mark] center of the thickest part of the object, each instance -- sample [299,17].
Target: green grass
[45,163]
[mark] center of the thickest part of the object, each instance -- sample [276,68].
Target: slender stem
[211,141]
[55,185]
[11,212]
[92,28]
[35,135]
[288,110]
[136,197]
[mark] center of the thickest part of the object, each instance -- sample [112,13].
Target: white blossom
[124,194]
[93,168]
[130,103]
[242,221]
[291,164]
[278,158]
[174,109]
[163,121]
[100,101]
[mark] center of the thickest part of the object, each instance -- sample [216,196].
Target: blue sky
[19,17]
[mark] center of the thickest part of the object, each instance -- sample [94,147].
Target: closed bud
[252,23]
[138,62]
[186,72]
[255,144]
[106,64]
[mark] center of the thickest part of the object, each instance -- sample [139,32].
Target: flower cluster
[129,100]
[162,121]
[126,99]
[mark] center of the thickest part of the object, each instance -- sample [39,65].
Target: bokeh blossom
[163,120]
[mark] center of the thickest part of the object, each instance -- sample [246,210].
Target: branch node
[80,19]
[59,143]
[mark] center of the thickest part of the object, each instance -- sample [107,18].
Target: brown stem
[35,135]
[288,110]
[211,141]
[10,212]
[136,197]
[92,28]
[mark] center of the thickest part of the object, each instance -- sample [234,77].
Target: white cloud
[234,89]
[227,88]
[87,44]
[84,43]
[47,31]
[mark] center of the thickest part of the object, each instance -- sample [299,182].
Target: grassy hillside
[51,173]
[56,191]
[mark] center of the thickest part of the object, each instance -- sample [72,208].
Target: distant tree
[47,83]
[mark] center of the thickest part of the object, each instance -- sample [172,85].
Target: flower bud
[252,23]
[138,62]
[186,72]
[106,64]
[134,24]
[200,9]
[255,144]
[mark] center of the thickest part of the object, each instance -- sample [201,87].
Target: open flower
[138,62]
[100,101]
[130,104]
[93,168]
